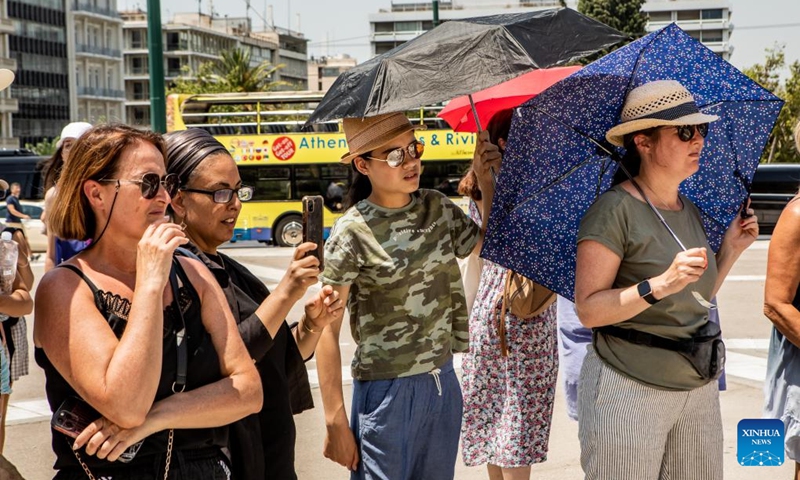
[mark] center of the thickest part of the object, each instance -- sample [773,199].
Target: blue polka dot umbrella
[557,161]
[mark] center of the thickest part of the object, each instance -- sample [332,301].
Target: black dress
[262,445]
[203,369]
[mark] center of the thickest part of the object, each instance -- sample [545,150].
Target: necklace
[658,197]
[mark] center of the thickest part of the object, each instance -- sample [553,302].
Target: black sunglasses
[396,157]
[224,195]
[686,132]
[150,182]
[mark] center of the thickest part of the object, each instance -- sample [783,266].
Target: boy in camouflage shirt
[393,256]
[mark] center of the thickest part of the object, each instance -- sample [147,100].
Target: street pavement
[745,328]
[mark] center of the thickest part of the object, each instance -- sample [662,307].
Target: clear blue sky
[341,26]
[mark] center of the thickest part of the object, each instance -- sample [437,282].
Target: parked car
[774,185]
[34,227]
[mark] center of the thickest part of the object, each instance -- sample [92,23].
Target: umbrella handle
[480,129]
[475,113]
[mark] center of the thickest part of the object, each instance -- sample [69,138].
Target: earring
[183,225]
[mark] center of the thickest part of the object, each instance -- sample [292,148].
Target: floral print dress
[508,401]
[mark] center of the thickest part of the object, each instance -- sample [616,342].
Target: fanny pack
[705,350]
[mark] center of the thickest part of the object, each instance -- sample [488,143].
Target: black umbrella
[460,57]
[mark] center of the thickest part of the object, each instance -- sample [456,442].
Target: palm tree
[235,72]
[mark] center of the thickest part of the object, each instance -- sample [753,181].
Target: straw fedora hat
[370,133]
[655,104]
[6,78]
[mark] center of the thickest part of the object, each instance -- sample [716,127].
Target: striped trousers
[632,431]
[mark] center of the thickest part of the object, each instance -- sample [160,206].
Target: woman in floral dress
[508,401]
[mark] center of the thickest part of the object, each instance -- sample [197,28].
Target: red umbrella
[458,113]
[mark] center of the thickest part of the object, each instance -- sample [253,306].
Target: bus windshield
[284,161]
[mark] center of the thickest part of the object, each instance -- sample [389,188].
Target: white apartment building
[409,19]
[323,71]
[191,39]
[8,105]
[94,52]
[706,20]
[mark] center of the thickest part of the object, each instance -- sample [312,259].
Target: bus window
[271,183]
[329,180]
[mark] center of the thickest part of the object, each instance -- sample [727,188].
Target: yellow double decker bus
[284,161]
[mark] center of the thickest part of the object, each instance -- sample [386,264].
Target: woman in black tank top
[145,339]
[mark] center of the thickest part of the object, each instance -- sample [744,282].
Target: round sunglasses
[396,157]
[150,183]
[686,132]
[224,195]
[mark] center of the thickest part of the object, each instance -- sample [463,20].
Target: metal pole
[158,109]
[435,13]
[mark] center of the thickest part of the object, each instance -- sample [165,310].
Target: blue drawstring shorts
[407,428]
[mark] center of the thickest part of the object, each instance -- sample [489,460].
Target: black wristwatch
[646,292]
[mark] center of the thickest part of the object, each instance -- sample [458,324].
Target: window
[173,67]
[138,66]
[271,183]
[715,14]
[137,39]
[141,91]
[660,16]
[688,15]
[384,27]
[406,26]
[173,41]
[712,35]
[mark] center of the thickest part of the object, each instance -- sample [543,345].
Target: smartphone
[74,415]
[312,225]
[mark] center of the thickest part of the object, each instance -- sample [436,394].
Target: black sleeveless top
[203,369]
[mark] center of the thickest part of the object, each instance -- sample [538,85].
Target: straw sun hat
[655,104]
[370,133]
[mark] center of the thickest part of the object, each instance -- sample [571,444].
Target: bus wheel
[289,232]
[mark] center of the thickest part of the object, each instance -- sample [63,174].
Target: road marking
[28,411]
[746,278]
[745,366]
[747,343]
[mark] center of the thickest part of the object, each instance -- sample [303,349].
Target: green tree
[624,15]
[45,148]
[780,146]
[237,75]
[232,73]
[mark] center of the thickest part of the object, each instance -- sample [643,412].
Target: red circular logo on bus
[283,148]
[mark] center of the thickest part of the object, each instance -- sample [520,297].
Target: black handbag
[705,350]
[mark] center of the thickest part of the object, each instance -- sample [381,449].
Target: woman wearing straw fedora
[393,256]
[649,406]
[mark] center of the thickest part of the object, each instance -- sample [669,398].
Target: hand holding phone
[74,415]
[312,225]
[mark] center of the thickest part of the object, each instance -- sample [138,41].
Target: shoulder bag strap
[180,334]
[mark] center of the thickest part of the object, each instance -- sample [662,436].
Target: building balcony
[377,37]
[6,26]
[715,24]
[9,105]
[8,63]
[109,93]
[9,142]
[137,103]
[87,7]
[93,50]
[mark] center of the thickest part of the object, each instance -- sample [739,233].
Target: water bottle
[8,263]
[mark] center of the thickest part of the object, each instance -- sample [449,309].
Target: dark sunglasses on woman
[686,132]
[224,195]
[396,157]
[150,182]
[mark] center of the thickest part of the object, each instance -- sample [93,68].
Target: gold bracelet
[308,329]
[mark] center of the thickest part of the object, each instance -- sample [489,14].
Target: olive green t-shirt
[408,311]
[632,231]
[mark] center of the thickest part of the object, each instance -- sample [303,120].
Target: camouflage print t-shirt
[407,307]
